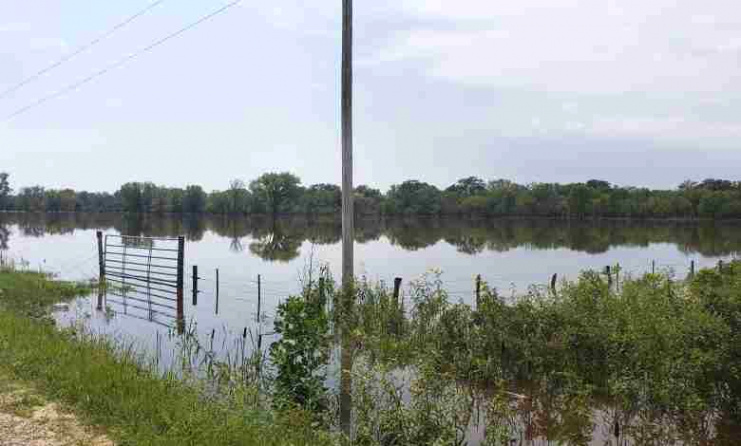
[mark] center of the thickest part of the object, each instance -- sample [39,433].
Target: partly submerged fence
[143,273]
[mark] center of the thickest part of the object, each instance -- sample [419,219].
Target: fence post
[478,291]
[259,297]
[180,280]
[195,285]
[217,290]
[101,258]
[554,280]
[692,269]
[608,271]
[397,290]
[653,266]
[617,277]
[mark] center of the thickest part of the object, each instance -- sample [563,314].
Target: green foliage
[301,353]
[107,385]
[653,350]
[413,197]
[5,190]
[194,201]
[276,192]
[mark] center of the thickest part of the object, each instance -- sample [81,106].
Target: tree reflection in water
[280,239]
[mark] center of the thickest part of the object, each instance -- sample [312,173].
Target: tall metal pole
[348,215]
[348,226]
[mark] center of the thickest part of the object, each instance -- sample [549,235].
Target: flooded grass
[648,360]
[107,385]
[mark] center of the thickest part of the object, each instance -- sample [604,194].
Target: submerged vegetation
[657,357]
[274,193]
[652,359]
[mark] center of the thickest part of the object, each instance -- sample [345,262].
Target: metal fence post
[101,258]
[217,290]
[195,285]
[259,297]
[180,280]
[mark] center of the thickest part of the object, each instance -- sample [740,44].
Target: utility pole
[348,215]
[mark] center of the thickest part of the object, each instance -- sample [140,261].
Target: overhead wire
[122,62]
[80,50]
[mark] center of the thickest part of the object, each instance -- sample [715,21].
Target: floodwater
[509,254]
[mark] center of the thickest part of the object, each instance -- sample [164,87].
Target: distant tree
[131,197]
[219,202]
[414,197]
[579,200]
[194,201]
[713,184]
[176,200]
[238,197]
[31,199]
[322,199]
[599,185]
[276,191]
[687,185]
[368,201]
[5,190]
[52,201]
[468,187]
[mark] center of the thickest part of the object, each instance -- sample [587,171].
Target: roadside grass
[107,386]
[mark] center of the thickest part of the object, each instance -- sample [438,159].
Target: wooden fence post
[195,285]
[617,277]
[608,271]
[653,266]
[259,297]
[397,290]
[217,290]
[101,258]
[180,281]
[478,291]
[692,269]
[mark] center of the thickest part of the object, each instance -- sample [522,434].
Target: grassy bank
[108,387]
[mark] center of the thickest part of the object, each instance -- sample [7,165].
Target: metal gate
[143,274]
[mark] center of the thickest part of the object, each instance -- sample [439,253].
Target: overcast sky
[636,92]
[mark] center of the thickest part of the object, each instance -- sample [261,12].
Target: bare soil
[26,419]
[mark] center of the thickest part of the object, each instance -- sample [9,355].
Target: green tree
[414,197]
[580,200]
[5,190]
[238,197]
[31,199]
[368,201]
[322,199]
[194,201]
[276,191]
[131,197]
[468,187]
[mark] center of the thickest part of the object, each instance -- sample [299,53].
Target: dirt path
[26,419]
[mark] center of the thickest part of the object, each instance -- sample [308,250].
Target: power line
[123,61]
[80,50]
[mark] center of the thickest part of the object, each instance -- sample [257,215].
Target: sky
[634,92]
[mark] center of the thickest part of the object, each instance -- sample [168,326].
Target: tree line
[283,193]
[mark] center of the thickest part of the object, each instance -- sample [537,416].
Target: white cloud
[577,46]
